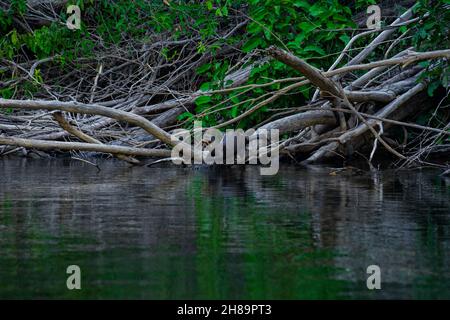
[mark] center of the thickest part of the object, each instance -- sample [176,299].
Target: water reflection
[166,233]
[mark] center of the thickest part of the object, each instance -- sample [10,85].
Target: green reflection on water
[226,241]
[274,261]
[243,250]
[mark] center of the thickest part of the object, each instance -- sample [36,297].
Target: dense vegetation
[155,51]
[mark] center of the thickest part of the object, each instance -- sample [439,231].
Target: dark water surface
[179,233]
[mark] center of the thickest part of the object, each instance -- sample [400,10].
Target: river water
[223,233]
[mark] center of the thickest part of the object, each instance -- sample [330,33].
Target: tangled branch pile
[312,70]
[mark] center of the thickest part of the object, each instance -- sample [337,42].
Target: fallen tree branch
[58,116]
[387,95]
[80,146]
[405,60]
[327,85]
[354,134]
[119,115]
[301,120]
[314,75]
[381,37]
[371,116]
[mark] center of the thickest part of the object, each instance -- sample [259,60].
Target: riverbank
[333,85]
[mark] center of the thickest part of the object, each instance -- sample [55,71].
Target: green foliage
[117,22]
[432,33]
[112,21]
[18,6]
[6,93]
[310,30]
[313,30]
[5,21]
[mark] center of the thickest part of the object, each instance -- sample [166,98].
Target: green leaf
[315,49]
[302,4]
[345,38]
[203,100]
[432,87]
[252,44]
[306,27]
[234,111]
[202,69]
[205,86]
[185,115]
[317,9]
[225,11]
